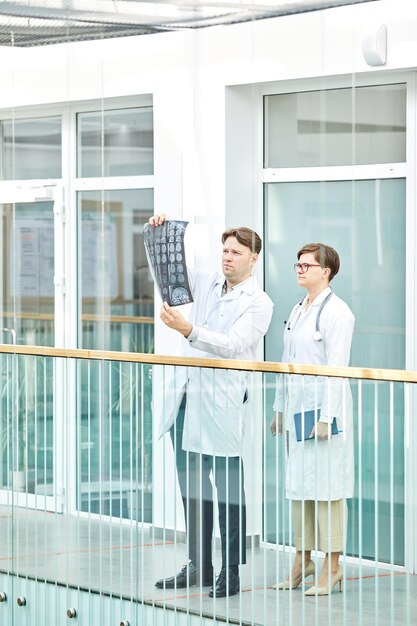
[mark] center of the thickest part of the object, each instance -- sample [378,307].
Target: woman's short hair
[325,255]
[245,236]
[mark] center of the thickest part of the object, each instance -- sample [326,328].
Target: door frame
[406,170]
[27,192]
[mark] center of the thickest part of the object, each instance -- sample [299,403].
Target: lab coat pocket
[230,390]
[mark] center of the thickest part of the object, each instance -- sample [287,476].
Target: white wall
[187,73]
[207,141]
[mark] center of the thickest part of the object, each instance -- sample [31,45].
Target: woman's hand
[276,424]
[322,430]
[157,220]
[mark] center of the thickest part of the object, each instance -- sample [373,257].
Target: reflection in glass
[31,148]
[336,127]
[115,143]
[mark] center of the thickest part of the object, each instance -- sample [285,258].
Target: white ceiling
[40,22]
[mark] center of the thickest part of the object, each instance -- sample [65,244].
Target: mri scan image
[164,247]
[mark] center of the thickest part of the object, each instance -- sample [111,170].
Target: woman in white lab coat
[319,470]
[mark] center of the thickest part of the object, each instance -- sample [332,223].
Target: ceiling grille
[39,22]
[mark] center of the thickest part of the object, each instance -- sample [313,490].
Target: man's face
[237,261]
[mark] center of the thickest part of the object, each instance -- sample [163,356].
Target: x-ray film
[164,247]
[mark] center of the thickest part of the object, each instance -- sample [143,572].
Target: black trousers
[197,497]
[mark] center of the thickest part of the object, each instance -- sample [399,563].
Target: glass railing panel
[372,553]
[27,424]
[374,447]
[114,431]
[109,510]
[379,472]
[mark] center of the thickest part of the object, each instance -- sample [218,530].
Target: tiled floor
[125,560]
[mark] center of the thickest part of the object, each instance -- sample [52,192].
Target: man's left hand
[175,320]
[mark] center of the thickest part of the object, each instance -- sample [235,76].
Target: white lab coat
[318,469]
[226,327]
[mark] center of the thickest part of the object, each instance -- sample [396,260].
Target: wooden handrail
[85,317]
[404,376]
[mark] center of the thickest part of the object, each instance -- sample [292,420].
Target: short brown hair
[325,255]
[245,236]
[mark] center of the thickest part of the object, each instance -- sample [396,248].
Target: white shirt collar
[248,286]
[319,299]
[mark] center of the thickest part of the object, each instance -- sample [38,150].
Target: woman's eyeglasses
[304,267]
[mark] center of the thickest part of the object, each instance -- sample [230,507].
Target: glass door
[335,172]
[365,221]
[30,293]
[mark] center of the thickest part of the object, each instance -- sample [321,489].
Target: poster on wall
[32,274]
[164,247]
[99,256]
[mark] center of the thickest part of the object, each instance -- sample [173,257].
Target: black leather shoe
[187,577]
[227,584]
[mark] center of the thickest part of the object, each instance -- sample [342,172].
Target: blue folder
[310,418]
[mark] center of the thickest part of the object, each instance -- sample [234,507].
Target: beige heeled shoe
[295,582]
[324,591]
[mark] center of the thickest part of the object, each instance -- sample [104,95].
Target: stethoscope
[292,321]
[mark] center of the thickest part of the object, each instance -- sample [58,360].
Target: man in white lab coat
[229,317]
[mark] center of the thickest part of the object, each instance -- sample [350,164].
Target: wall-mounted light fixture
[374,46]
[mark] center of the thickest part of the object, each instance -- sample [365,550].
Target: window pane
[31,148]
[28,272]
[336,127]
[365,222]
[115,418]
[115,143]
[116,286]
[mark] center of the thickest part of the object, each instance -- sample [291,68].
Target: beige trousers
[331,525]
